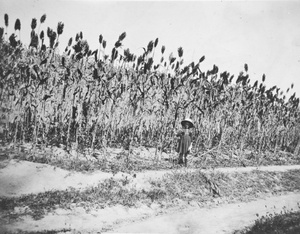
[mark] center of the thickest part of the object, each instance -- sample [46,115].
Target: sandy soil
[21,177]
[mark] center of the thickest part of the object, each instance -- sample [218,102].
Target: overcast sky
[265,35]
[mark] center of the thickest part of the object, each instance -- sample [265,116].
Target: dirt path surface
[118,219]
[223,219]
[22,177]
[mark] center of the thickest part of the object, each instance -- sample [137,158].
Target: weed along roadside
[43,177]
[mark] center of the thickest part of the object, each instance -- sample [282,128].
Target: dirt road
[218,220]
[223,219]
[22,177]
[18,178]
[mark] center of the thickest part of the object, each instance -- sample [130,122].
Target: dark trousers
[182,159]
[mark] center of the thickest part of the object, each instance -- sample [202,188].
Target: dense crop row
[93,99]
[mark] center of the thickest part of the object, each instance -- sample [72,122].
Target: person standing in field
[184,141]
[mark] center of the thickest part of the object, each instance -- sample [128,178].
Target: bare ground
[21,177]
[222,219]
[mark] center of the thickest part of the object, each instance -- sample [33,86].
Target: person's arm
[177,141]
[191,145]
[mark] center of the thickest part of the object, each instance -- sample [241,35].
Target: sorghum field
[92,99]
[89,101]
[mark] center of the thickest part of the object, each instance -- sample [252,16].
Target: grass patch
[114,160]
[173,189]
[286,222]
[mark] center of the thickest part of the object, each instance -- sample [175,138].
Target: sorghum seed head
[53,35]
[122,36]
[6,20]
[43,18]
[49,32]
[85,46]
[156,42]
[126,52]
[172,60]
[34,39]
[150,46]
[60,28]
[42,35]
[33,23]
[52,38]
[77,47]
[70,41]
[17,25]
[201,59]
[118,44]
[180,52]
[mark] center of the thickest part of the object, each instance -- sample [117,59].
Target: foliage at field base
[89,98]
[174,189]
[42,232]
[138,158]
[285,222]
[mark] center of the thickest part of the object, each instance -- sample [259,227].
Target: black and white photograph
[169,117]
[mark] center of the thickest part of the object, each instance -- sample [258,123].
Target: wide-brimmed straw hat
[188,121]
